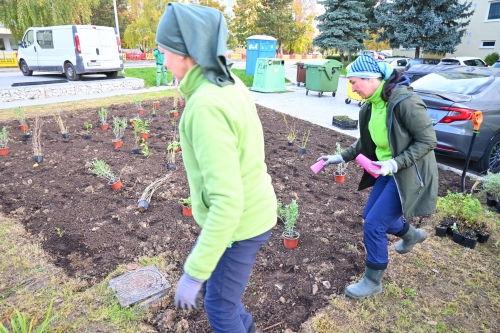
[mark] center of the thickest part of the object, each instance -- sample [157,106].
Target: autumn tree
[275,18]
[104,15]
[17,16]
[298,36]
[244,21]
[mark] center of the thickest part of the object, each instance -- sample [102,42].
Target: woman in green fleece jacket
[397,133]
[223,151]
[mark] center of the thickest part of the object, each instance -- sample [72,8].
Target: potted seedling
[305,138]
[21,118]
[145,199]
[88,126]
[182,98]
[103,118]
[289,215]
[171,149]
[4,141]
[340,173]
[174,124]
[174,112]
[62,128]
[491,187]
[37,145]
[291,132]
[102,170]
[119,125]
[156,105]
[186,207]
[138,103]
[145,149]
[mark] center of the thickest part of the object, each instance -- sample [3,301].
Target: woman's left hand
[386,167]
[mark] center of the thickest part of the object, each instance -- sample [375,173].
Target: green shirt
[377,125]
[158,56]
[223,152]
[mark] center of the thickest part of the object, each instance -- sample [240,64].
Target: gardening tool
[477,119]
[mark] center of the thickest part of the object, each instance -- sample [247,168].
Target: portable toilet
[259,46]
[269,75]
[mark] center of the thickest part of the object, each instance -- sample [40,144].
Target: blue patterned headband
[366,67]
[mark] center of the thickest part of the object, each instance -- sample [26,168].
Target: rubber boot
[254,329]
[408,240]
[370,285]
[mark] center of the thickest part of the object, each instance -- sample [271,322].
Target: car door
[29,50]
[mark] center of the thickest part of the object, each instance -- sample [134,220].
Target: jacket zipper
[390,145]
[419,179]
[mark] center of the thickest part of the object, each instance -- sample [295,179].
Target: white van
[71,49]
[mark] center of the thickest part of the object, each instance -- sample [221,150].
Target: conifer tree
[342,26]
[436,26]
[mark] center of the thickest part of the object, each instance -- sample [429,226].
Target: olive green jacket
[412,140]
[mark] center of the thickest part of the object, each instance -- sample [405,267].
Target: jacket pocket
[204,200]
[419,178]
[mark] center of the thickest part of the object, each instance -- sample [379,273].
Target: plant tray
[344,123]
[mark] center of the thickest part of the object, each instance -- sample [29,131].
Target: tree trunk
[342,56]
[349,56]
[417,52]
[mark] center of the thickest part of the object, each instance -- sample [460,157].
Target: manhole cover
[144,284]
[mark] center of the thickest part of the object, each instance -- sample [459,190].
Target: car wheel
[112,74]
[491,157]
[70,71]
[25,69]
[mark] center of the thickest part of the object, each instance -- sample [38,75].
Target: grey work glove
[189,292]
[386,167]
[331,159]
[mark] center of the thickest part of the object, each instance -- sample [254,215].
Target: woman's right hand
[331,159]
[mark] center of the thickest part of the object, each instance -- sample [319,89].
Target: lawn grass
[148,74]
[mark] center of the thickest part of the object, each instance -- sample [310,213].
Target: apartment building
[7,43]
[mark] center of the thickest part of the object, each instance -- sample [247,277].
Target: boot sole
[360,297]
[411,248]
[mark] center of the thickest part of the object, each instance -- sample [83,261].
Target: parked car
[452,96]
[463,61]
[398,63]
[419,61]
[418,71]
[71,49]
[373,54]
[496,64]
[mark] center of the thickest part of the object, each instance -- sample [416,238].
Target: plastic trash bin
[301,74]
[269,75]
[322,75]
[351,95]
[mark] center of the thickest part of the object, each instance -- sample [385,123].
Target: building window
[488,44]
[13,45]
[2,45]
[494,11]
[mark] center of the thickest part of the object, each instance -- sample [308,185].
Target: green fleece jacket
[412,140]
[223,153]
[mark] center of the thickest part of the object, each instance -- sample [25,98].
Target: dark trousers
[383,215]
[225,287]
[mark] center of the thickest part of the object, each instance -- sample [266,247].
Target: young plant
[88,127]
[4,137]
[172,147]
[119,125]
[305,138]
[289,215]
[102,170]
[103,116]
[341,166]
[19,322]
[154,108]
[37,132]
[145,149]
[147,194]
[60,122]
[20,116]
[138,102]
[491,185]
[290,129]
[186,202]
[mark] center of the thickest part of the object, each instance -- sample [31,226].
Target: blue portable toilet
[259,46]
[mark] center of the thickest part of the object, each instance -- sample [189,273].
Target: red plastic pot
[117,144]
[339,178]
[187,211]
[104,127]
[291,243]
[116,185]
[140,111]
[144,135]
[23,127]
[4,151]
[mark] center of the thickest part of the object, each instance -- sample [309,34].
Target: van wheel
[112,74]
[70,71]
[491,157]
[25,69]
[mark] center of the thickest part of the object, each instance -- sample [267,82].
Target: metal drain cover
[144,284]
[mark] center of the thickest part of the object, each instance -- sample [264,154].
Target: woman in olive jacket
[397,134]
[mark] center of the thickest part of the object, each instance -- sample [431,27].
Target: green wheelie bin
[322,75]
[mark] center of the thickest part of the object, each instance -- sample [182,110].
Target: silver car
[452,96]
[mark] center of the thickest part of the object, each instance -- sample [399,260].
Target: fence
[8,59]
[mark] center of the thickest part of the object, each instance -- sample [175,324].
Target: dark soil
[89,229]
